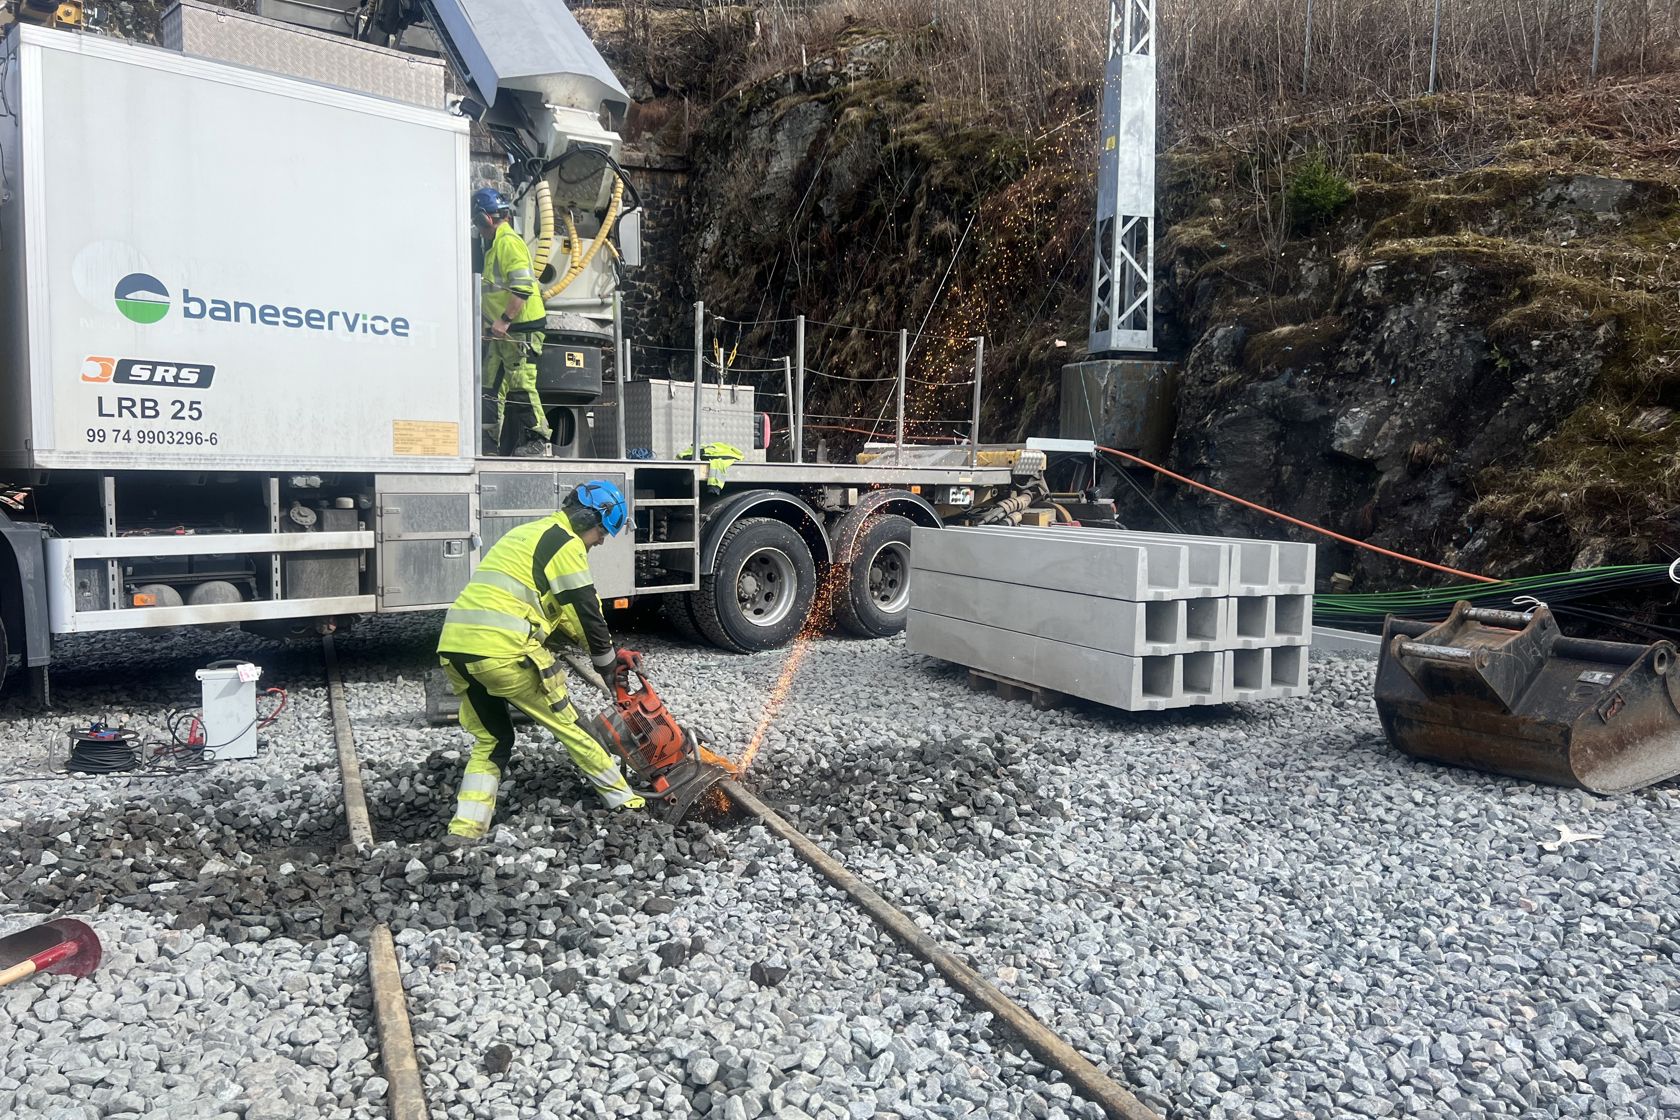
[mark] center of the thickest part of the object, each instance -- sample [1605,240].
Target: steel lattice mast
[1123,280]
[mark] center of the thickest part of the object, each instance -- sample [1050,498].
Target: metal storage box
[659,416]
[265,326]
[212,31]
[568,374]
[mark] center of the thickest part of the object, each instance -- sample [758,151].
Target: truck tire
[875,597]
[679,616]
[5,657]
[759,594]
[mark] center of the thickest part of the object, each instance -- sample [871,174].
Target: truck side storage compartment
[426,552]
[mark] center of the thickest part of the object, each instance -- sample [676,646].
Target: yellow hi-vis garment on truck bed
[532,583]
[508,272]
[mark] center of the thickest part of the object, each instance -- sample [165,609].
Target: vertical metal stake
[113,568]
[620,376]
[974,412]
[271,499]
[1306,51]
[903,368]
[1435,49]
[1598,34]
[477,390]
[799,390]
[699,370]
[787,392]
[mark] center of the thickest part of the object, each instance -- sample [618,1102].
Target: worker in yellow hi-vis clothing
[514,315]
[533,586]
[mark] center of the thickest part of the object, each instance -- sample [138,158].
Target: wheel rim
[766,587]
[889,577]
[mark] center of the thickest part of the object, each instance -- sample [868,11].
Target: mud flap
[1507,692]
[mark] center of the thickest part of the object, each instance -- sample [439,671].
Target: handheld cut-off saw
[670,763]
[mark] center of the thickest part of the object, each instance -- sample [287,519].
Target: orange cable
[1295,520]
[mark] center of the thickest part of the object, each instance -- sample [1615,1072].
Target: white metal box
[230,712]
[659,415]
[209,267]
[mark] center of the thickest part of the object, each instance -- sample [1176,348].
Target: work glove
[626,661]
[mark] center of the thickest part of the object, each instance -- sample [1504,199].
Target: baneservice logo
[142,298]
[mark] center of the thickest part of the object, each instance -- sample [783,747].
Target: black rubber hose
[100,752]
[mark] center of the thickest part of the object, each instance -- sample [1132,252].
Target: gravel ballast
[179,1024]
[1259,911]
[1262,911]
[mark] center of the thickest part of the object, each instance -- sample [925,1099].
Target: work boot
[533,449]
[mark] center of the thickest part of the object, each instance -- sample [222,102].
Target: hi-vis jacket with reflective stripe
[508,273]
[532,582]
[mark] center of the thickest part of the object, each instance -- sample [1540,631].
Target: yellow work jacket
[533,583]
[508,272]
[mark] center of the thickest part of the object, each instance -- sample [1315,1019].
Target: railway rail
[401,1062]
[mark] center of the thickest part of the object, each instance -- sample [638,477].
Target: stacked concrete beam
[1138,621]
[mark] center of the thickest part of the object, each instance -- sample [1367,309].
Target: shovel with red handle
[63,945]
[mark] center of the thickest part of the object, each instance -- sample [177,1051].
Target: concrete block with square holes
[1135,684]
[1141,621]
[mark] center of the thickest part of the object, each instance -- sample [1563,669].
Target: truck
[240,349]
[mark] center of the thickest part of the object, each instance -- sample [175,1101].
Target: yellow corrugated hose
[545,228]
[579,263]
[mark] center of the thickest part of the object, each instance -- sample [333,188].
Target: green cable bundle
[1558,590]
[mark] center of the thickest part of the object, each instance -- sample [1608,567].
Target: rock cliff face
[1466,347]
[848,196]
[1476,367]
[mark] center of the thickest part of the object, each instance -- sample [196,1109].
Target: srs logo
[98,369]
[140,371]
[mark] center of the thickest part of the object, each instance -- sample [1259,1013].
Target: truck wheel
[760,592]
[679,616]
[5,657]
[876,595]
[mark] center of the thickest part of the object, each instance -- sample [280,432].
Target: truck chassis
[738,560]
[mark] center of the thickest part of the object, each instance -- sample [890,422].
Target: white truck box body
[223,269]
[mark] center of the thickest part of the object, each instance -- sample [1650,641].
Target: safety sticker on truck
[425,437]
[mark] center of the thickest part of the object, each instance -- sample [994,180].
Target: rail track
[401,1062]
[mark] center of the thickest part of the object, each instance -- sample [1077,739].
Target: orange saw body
[670,764]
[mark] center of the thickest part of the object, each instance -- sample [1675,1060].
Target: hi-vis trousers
[536,685]
[510,393]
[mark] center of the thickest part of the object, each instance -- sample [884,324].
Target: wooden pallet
[1010,689]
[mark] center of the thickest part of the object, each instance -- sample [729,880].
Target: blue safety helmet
[489,200]
[607,501]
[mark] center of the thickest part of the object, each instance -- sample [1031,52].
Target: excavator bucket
[1507,692]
